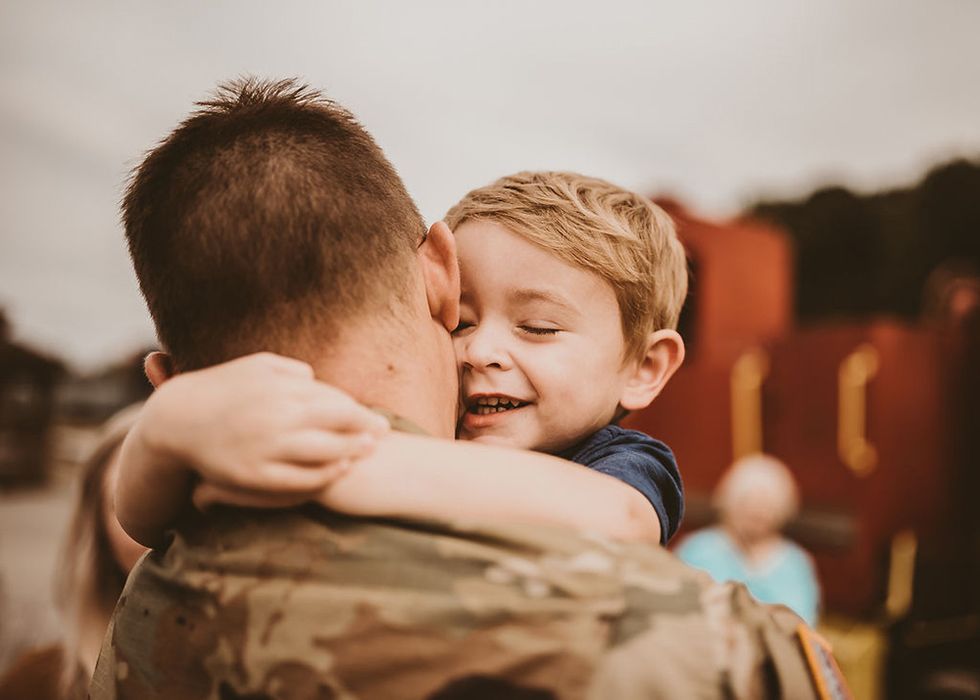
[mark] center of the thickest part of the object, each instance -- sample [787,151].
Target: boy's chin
[496,441]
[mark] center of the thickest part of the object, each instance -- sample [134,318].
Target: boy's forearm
[417,477]
[153,488]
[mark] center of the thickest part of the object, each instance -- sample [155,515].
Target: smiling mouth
[486,405]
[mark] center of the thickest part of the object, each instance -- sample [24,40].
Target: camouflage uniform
[308,604]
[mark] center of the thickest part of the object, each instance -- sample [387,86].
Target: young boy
[571,290]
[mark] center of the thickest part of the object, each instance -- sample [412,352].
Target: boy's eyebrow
[527,295]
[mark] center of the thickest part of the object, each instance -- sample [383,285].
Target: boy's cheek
[460,355]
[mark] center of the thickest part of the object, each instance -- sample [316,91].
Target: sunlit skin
[125,550]
[537,332]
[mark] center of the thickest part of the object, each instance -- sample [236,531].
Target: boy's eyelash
[536,330]
[530,330]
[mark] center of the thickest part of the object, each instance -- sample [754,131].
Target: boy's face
[539,345]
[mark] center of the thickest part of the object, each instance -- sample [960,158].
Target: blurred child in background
[95,561]
[755,499]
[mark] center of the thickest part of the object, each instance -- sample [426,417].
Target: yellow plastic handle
[853,447]
[748,374]
[901,574]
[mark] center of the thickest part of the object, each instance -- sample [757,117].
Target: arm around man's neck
[417,477]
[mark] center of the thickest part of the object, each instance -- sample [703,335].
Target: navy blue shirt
[637,459]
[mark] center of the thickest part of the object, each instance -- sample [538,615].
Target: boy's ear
[664,355]
[440,270]
[158,367]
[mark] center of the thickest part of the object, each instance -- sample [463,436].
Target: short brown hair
[267,218]
[621,236]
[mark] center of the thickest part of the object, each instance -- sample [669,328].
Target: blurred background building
[840,333]
[822,160]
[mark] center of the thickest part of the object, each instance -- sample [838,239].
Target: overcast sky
[714,102]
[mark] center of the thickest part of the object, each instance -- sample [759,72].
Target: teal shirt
[787,577]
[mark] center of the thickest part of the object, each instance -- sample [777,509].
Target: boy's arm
[150,491]
[418,477]
[260,422]
[412,476]
[260,431]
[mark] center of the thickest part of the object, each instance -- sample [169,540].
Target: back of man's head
[268,220]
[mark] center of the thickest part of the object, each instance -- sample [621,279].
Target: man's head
[571,292]
[271,220]
[265,221]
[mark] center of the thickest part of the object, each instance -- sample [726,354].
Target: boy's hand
[259,430]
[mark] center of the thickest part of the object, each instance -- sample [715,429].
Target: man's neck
[409,374]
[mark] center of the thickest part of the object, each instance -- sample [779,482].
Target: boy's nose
[484,352]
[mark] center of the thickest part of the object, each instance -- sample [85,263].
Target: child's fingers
[321,448]
[335,410]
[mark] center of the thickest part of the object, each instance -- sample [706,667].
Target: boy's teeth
[493,404]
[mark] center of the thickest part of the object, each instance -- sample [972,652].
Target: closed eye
[539,330]
[463,325]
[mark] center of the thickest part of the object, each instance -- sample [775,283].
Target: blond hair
[620,236]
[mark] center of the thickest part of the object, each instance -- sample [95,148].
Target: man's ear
[664,355]
[159,367]
[440,270]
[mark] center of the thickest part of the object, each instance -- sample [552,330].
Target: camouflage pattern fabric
[307,604]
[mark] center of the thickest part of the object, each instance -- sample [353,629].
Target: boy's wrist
[159,424]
